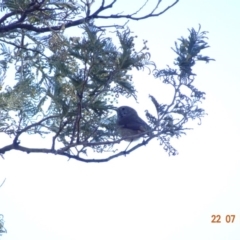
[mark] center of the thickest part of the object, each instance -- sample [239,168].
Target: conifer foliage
[65,86]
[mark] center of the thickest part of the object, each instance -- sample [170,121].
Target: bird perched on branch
[131,126]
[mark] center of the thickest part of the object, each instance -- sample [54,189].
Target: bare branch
[20,25]
[3,182]
[45,150]
[15,141]
[151,14]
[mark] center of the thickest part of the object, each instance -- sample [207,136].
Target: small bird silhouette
[131,126]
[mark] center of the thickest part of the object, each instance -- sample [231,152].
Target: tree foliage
[2,228]
[67,87]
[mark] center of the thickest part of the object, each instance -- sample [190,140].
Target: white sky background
[145,195]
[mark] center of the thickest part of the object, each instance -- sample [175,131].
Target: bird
[131,127]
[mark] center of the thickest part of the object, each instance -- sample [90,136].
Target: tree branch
[3,182]
[15,141]
[19,25]
[45,150]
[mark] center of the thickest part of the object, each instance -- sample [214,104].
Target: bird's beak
[113,108]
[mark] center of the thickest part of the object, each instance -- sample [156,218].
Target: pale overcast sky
[147,194]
